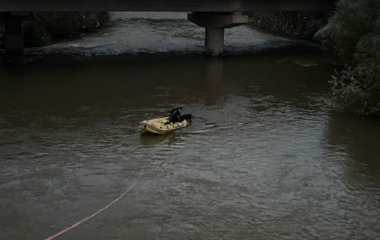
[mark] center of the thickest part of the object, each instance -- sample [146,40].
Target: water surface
[266,157]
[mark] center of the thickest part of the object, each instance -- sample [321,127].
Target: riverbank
[45,28]
[291,24]
[352,33]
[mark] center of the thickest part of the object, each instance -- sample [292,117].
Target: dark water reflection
[267,158]
[358,137]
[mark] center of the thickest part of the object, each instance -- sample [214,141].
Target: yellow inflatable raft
[158,125]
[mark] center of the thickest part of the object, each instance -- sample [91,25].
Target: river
[266,156]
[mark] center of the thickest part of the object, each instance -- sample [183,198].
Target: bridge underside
[166,5]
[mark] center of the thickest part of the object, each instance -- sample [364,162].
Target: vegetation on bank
[353,32]
[44,28]
[292,24]
[47,27]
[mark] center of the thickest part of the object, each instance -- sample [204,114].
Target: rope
[95,213]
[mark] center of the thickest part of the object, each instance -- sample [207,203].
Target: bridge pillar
[215,23]
[214,41]
[13,37]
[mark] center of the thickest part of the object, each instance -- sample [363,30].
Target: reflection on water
[358,138]
[150,140]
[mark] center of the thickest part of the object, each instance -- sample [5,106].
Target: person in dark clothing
[186,117]
[175,115]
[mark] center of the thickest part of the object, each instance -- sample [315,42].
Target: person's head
[176,109]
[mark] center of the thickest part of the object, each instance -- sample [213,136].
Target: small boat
[162,125]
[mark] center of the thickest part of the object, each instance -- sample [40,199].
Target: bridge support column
[214,41]
[13,37]
[215,23]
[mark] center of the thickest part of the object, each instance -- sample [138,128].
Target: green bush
[352,20]
[354,33]
[293,24]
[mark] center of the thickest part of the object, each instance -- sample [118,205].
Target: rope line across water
[95,213]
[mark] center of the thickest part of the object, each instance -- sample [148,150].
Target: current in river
[266,155]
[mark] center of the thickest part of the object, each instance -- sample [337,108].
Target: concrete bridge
[214,15]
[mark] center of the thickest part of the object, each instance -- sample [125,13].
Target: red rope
[92,215]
